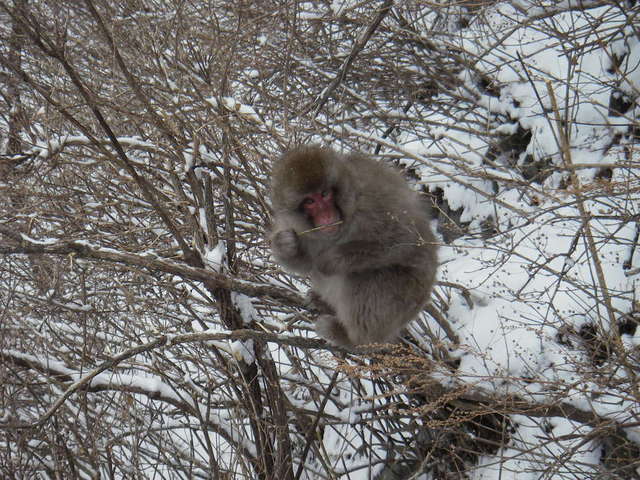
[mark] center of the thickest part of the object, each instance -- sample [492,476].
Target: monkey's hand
[285,244]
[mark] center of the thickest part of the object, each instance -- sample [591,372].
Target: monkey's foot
[328,327]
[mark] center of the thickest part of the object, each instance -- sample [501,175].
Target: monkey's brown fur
[376,269]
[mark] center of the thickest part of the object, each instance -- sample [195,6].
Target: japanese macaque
[361,234]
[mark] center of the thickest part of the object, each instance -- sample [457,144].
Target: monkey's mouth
[332,227]
[328,220]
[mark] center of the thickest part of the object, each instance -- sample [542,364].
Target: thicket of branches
[145,331]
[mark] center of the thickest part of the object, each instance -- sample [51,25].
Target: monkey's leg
[381,303]
[313,300]
[329,328]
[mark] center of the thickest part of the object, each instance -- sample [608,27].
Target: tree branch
[85,250]
[465,397]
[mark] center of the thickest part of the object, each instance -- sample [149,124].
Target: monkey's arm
[367,255]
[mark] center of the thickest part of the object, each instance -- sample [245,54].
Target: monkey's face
[308,188]
[321,210]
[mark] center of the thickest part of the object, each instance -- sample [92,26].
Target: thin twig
[308,438]
[321,227]
[362,40]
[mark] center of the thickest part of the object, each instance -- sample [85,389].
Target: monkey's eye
[325,193]
[307,201]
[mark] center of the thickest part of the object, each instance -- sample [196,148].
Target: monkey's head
[309,182]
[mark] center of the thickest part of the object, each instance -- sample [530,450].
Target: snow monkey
[361,234]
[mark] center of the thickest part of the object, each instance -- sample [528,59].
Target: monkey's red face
[322,210]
